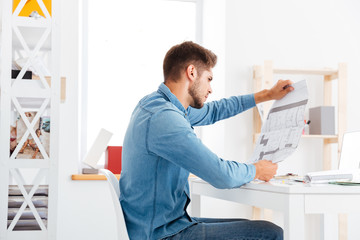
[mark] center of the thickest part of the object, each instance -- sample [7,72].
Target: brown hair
[180,56]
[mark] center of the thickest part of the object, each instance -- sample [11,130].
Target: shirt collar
[163,89]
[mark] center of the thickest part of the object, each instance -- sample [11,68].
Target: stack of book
[330,176]
[27,220]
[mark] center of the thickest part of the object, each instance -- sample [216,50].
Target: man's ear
[191,72]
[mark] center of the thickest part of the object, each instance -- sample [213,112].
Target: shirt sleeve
[218,110]
[171,137]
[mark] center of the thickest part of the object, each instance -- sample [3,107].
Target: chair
[115,194]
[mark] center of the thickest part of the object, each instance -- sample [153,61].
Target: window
[126,44]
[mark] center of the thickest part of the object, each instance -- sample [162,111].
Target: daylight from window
[127,41]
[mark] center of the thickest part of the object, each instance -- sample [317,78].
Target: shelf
[27,37]
[28,163]
[324,72]
[19,235]
[330,138]
[31,93]
[32,22]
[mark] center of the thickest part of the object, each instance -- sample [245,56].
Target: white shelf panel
[32,22]
[31,92]
[21,235]
[28,163]
[30,104]
[30,88]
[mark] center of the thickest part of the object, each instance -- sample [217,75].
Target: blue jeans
[230,229]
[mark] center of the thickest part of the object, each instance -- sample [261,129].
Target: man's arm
[170,137]
[225,108]
[218,110]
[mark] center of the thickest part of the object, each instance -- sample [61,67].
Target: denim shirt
[160,149]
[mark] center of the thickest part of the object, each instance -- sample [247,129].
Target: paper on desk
[282,129]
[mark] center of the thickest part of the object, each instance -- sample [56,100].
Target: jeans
[230,229]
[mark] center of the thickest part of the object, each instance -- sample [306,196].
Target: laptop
[349,158]
[99,146]
[348,172]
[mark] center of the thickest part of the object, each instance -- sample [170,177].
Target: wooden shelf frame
[263,78]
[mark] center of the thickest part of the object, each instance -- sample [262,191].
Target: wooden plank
[326,155]
[342,125]
[90,177]
[256,213]
[342,95]
[325,71]
[62,84]
[268,83]
[268,214]
[327,91]
[327,101]
[257,80]
[329,138]
[343,223]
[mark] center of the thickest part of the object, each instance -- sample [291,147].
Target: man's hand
[265,170]
[277,92]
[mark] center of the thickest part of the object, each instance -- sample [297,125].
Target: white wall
[299,34]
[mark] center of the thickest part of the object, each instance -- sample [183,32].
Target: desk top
[90,177]
[289,187]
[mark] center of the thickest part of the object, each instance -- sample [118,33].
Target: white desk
[293,200]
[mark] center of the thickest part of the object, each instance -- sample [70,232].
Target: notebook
[349,159]
[99,146]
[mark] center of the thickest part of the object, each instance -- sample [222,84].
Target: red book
[113,159]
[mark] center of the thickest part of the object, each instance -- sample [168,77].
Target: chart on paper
[282,129]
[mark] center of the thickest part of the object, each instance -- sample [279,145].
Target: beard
[194,93]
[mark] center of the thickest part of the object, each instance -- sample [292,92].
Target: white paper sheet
[282,129]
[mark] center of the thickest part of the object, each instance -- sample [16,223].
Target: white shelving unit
[30,38]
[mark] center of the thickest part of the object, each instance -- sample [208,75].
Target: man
[160,150]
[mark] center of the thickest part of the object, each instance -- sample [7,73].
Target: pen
[286,86]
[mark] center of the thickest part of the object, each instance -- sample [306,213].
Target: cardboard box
[322,120]
[113,159]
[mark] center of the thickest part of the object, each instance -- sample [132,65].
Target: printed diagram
[281,132]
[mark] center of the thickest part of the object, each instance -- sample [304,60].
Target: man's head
[180,56]
[192,63]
